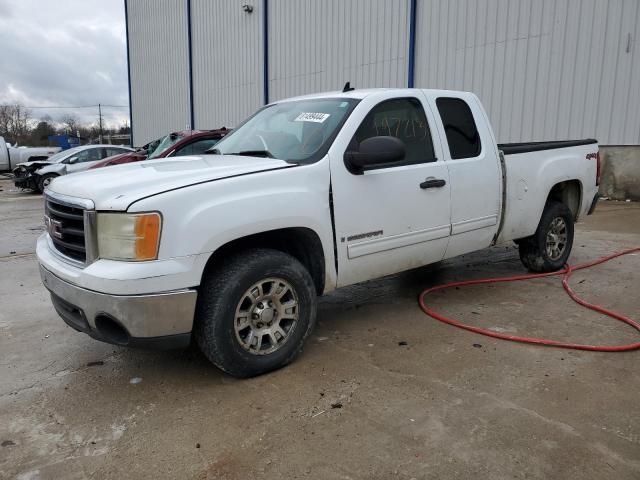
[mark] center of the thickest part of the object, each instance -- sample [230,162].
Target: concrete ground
[448,404]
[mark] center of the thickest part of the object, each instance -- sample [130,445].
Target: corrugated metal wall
[227,61]
[158,58]
[317,46]
[544,69]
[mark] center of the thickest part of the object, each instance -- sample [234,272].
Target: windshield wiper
[254,153]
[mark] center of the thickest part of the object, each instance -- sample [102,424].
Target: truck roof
[361,93]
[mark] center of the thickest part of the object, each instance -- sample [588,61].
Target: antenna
[348,87]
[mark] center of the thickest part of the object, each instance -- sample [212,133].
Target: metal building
[544,69]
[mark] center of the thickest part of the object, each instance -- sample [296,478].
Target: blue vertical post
[412,42]
[126,21]
[191,114]
[265,46]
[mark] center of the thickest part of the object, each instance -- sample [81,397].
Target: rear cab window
[460,128]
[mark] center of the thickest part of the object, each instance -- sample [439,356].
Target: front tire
[548,249]
[254,312]
[45,180]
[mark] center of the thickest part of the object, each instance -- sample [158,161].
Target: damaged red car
[190,142]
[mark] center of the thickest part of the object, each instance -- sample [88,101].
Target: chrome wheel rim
[266,316]
[556,238]
[46,182]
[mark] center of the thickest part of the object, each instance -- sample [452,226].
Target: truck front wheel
[548,249]
[255,311]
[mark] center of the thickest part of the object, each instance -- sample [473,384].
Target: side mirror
[73,160]
[375,152]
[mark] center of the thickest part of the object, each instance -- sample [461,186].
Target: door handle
[433,183]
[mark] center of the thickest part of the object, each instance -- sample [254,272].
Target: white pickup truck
[11,156]
[309,194]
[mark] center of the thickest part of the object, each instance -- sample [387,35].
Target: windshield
[58,157]
[158,146]
[298,131]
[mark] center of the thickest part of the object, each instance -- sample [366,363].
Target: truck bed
[530,171]
[513,148]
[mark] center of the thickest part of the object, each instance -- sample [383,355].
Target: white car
[308,195]
[38,174]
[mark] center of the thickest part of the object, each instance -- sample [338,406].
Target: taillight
[598,168]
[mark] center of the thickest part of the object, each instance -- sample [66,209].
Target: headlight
[129,236]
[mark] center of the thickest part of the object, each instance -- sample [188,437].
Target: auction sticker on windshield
[312,117]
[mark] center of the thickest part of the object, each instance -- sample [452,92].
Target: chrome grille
[65,225]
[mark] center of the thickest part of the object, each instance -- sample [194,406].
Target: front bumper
[149,320]
[25,181]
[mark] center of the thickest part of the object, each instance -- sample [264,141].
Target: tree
[14,122]
[124,128]
[70,123]
[40,134]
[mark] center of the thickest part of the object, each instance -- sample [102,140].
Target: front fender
[199,219]
[57,169]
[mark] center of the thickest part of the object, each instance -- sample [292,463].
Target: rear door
[386,221]
[112,151]
[474,168]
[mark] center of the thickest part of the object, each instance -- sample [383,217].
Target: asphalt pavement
[380,392]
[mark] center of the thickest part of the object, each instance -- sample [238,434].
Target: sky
[64,53]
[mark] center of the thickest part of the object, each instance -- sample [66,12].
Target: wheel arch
[568,192]
[302,243]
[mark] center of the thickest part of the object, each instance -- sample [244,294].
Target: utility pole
[100,121]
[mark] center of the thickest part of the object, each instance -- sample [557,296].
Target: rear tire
[254,312]
[548,249]
[45,180]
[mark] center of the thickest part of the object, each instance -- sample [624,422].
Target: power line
[79,106]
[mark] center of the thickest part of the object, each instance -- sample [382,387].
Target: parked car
[308,195]
[37,175]
[11,156]
[191,142]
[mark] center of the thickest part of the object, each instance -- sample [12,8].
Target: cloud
[70,53]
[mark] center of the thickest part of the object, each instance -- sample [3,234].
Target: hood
[33,166]
[117,187]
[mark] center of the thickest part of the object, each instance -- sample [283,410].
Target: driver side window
[403,118]
[81,156]
[88,155]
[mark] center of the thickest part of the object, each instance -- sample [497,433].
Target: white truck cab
[309,194]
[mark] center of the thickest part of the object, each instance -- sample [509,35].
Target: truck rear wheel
[255,312]
[548,249]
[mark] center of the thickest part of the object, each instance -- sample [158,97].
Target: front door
[393,218]
[86,159]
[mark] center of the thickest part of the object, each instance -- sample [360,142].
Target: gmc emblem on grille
[54,227]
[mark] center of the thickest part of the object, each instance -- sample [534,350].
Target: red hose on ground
[566,274]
